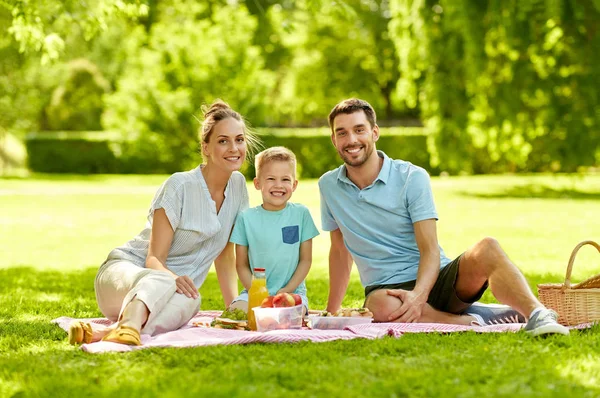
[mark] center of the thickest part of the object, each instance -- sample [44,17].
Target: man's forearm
[339,276]
[429,268]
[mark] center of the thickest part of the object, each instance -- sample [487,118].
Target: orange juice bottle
[257,293]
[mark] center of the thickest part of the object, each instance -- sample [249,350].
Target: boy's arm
[242,266]
[340,265]
[302,269]
[225,267]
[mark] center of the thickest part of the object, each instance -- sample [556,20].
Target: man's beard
[356,162]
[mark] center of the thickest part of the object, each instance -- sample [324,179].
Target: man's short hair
[276,153]
[350,106]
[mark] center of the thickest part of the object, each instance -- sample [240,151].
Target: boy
[278,234]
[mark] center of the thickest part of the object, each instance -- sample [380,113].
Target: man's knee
[489,245]
[382,305]
[487,253]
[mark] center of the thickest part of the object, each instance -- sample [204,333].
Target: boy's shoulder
[299,207]
[251,210]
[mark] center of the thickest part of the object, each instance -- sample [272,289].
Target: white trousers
[120,281]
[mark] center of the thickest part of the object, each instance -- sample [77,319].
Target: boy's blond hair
[276,153]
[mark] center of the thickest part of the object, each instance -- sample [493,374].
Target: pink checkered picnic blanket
[192,336]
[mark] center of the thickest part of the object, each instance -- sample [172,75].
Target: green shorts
[443,295]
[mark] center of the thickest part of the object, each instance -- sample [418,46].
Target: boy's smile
[276,182]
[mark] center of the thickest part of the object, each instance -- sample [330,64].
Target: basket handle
[572,260]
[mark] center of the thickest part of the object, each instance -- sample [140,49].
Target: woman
[150,284]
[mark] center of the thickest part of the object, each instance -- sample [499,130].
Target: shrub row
[90,153]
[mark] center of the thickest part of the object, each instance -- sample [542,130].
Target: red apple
[297,299]
[283,300]
[268,323]
[268,302]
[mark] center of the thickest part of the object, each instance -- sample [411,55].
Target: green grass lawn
[56,230]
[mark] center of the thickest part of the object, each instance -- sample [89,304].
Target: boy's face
[276,182]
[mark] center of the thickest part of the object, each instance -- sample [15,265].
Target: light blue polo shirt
[273,239]
[377,221]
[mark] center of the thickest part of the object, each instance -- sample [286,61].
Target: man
[381,215]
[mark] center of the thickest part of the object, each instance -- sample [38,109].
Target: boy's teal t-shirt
[273,239]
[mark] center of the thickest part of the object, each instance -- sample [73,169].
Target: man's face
[354,138]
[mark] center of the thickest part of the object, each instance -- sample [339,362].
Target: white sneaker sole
[549,329]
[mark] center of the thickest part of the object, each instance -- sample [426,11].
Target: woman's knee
[192,305]
[177,312]
[382,305]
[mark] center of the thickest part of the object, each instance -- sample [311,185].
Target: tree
[40,26]
[339,50]
[192,55]
[505,85]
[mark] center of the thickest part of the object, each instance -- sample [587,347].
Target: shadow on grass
[36,360]
[535,191]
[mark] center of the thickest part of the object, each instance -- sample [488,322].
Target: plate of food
[230,319]
[339,320]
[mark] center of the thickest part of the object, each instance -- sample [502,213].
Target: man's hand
[186,286]
[412,305]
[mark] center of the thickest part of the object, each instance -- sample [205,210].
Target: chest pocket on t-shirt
[290,234]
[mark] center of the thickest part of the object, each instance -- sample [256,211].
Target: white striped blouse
[200,233]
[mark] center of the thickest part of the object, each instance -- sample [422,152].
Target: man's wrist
[421,293]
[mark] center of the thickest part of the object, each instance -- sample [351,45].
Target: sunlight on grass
[585,370]
[9,388]
[84,217]
[56,230]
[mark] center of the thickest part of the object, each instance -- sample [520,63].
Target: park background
[498,100]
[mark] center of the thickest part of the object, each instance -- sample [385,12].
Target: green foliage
[192,55]
[316,154]
[340,50]
[71,155]
[77,104]
[503,85]
[88,152]
[40,26]
[506,85]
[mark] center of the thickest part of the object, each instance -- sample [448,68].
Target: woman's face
[226,147]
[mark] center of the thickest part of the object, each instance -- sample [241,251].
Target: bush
[316,154]
[107,152]
[75,155]
[77,102]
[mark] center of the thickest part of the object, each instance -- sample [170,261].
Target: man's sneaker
[493,314]
[545,322]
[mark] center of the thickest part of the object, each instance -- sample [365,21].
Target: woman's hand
[186,286]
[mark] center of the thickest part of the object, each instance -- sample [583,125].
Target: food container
[336,322]
[278,318]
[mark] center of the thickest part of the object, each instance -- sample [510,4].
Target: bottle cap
[259,270]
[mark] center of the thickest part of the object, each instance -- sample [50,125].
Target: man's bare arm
[429,268]
[340,265]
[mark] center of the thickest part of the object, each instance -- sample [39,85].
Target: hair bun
[217,105]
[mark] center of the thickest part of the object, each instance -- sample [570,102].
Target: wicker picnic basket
[575,304]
